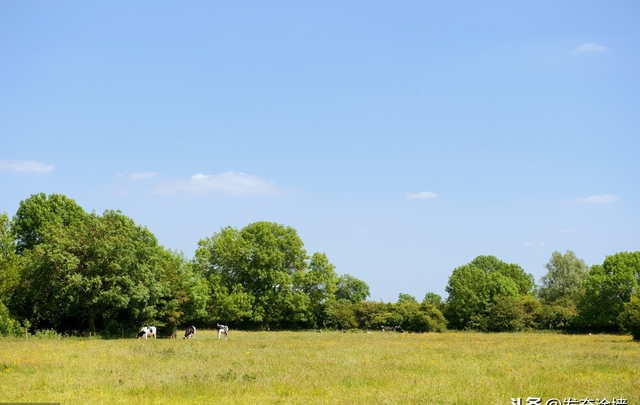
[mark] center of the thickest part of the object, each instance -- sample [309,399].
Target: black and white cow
[146,332]
[392,329]
[190,332]
[223,329]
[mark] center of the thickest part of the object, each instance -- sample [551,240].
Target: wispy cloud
[589,47]
[25,166]
[599,199]
[142,175]
[230,182]
[423,195]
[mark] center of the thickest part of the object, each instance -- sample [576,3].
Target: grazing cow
[392,329]
[146,332]
[399,329]
[223,329]
[190,332]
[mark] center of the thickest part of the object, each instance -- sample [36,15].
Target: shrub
[630,317]
[343,316]
[505,315]
[557,317]
[8,325]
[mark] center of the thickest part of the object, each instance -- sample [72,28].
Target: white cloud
[142,175]
[599,199]
[589,47]
[25,166]
[421,195]
[229,182]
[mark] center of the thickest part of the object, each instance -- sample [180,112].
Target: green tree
[198,292]
[9,260]
[406,298]
[434,299]
[490,264]
[373,314]
[100,271]
[630,316]
[351,289]
[418,317]
[38,212]
[9,275]
[343,315]
[511,314]
[260,262]
[319,283]
[469,297]
[564,279]
[429,319]
[607,288]
[475,287]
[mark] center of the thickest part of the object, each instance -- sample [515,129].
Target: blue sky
[402,139]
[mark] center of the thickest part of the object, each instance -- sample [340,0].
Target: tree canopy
[66,269]
[261,275]
[564,279]
[474,288]
[608,288]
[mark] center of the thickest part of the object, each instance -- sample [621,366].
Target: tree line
[64,269]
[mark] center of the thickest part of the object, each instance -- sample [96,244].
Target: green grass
[319,368]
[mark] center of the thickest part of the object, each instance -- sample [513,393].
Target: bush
[506,315]
[344,316]
[429,319]
[46,334]
[557,317]
[630,317]
[532,312]
[8,325]
[372,314]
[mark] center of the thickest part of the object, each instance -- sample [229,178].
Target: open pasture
[319,368]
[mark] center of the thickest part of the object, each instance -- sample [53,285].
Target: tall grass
[319,368]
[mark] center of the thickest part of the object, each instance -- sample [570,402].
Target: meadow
[321,368]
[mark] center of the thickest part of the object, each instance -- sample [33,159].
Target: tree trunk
[92,322]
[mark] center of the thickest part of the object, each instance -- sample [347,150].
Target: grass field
[319,368]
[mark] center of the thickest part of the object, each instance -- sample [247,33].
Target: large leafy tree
[319,283]
[418,317]
[524,282]
[473,289]
[99,271]
[351,289]
[630,317]
[9,274]
[608,288]
[40,211]
[564,280]
[260,264]
[9,260]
